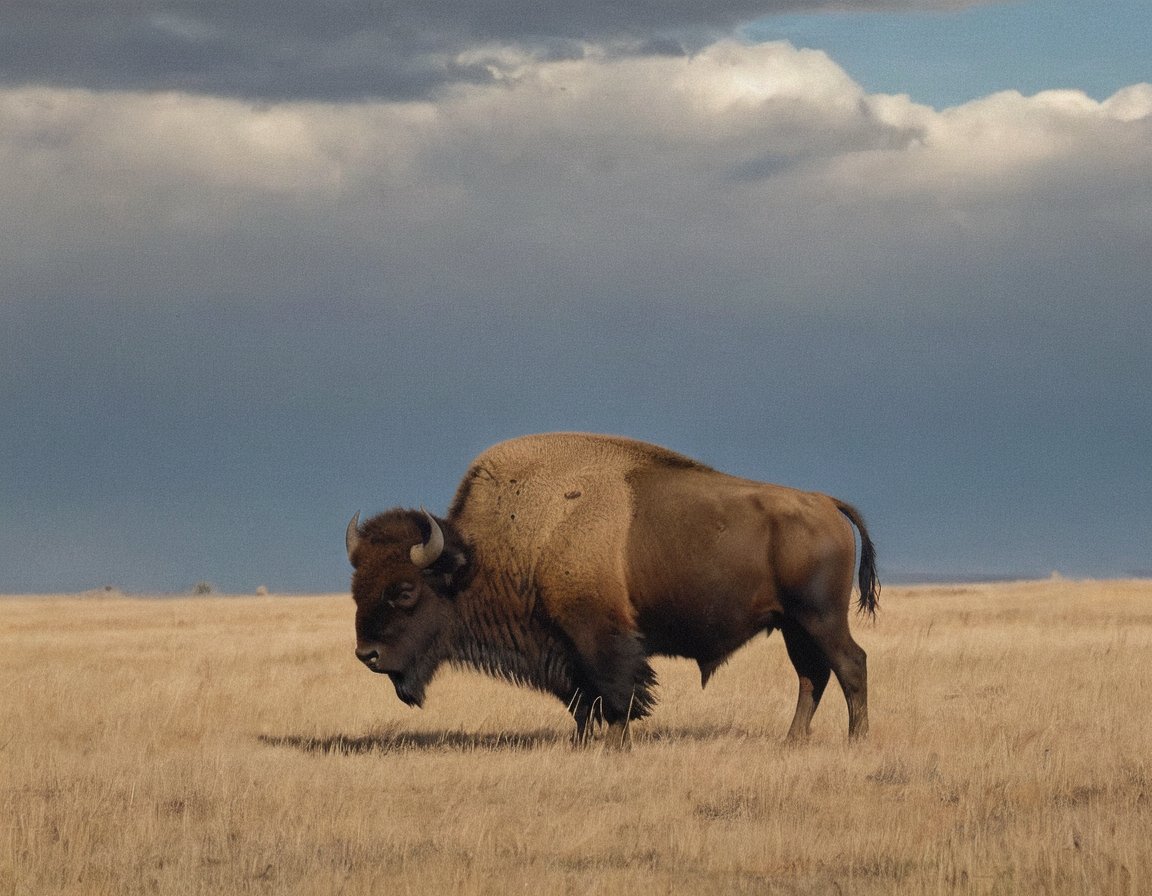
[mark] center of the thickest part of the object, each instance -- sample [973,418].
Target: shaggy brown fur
[570,558]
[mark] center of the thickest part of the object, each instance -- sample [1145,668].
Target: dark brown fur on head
[387,538]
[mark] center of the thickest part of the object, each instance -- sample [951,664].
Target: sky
[266,265]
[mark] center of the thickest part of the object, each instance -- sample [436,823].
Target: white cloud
[1131,103]
[757,168]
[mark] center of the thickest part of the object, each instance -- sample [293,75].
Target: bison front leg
[620,673]
[611,666]
[587,712]
[616,682]
[588,715]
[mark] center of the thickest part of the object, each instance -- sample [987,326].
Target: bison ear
[452,570]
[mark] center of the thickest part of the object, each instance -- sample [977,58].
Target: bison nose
[369,656]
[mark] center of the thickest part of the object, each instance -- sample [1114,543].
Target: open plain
[235,745]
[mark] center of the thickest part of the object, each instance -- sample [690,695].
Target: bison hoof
[618,737]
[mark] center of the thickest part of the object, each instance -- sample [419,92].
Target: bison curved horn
[427,553]
[352,535]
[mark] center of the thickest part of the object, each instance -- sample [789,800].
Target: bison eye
[404,596]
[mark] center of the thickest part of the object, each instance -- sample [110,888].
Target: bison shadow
[421,741]
[456,741]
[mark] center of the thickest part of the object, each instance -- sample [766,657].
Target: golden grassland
[234,745]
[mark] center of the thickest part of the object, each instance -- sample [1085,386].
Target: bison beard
[566,560]
[410,685]
[410,693]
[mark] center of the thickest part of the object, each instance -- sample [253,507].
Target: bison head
[408,569]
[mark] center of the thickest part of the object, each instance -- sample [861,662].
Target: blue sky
[266,265]
[947,57]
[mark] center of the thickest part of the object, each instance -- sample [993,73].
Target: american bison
[566,560]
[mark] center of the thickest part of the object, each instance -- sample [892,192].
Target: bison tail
[869,582]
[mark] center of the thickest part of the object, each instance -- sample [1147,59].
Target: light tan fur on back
[565,498]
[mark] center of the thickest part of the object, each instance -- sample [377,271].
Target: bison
[566,560]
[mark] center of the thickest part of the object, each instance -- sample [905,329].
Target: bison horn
[352,535]
[427,553]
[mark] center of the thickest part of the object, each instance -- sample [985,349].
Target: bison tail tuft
[868,580]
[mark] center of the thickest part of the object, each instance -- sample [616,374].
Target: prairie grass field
[215,745]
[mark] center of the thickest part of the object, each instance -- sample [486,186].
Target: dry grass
[233,745]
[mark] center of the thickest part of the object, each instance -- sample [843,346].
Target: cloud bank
[764,169]
[301,49]
[224,322]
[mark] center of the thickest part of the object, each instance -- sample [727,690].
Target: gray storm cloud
[341,50]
